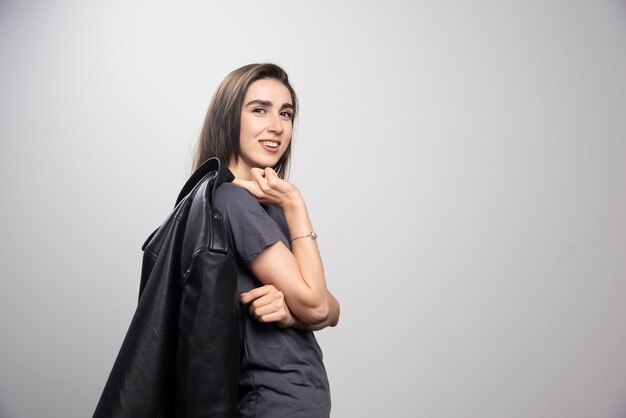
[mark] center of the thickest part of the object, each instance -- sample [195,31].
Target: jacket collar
[212,167]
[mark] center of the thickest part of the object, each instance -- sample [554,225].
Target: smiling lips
[269,145]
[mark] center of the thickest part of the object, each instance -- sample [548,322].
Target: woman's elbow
[322,309]
[314,314]
[333,313]
[326,312]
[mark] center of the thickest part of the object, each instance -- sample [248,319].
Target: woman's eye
[286,115]
[258,110]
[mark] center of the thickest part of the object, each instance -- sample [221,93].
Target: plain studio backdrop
[464,164]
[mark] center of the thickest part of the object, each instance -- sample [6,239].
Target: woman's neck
[240,170]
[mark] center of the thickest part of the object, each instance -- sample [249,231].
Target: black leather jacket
[180,356]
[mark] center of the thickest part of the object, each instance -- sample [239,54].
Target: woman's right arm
[331,321]
[298,273]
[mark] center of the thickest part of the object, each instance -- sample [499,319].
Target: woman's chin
[267,162]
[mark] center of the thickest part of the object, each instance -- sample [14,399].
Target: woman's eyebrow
[259,102]
[267,103]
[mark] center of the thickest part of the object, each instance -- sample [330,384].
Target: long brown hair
[220,133]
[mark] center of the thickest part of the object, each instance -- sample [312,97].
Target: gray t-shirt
[282,373]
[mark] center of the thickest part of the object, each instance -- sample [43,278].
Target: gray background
[464,164]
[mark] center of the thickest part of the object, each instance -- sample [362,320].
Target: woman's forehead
[269,90]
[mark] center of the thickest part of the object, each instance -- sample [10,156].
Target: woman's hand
[267,304]
[268,188]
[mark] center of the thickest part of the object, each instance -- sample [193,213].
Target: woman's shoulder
[228,195]
[237,202]
[252,228]
[232,200]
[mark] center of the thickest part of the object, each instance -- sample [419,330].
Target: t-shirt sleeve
[252,229]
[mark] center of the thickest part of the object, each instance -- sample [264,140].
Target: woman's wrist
[293,202]
[289,320]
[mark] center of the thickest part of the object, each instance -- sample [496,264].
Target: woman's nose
[275,124]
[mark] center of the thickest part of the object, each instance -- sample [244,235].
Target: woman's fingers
[257,292]
[258,176]
[271,178]
[253,187]
[277,306]
[268,187]
[257,170]
[267,304]
[259,187]
[274,317]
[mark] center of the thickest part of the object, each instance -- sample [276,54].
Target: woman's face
[266,126]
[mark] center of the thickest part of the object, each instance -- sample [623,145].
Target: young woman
[280,276]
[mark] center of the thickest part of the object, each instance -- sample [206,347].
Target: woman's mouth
[270,146]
